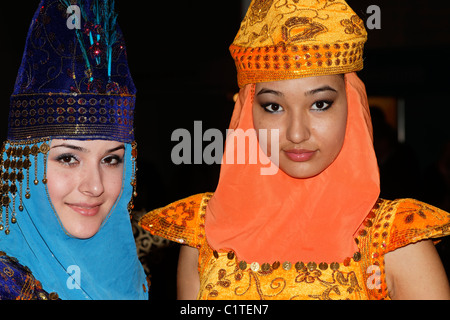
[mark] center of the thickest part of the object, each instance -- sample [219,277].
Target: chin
[84,230]
[300,171]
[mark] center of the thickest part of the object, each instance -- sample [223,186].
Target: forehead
[305,84]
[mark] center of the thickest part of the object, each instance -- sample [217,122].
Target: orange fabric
[178,221]
[390,225]
[276,217]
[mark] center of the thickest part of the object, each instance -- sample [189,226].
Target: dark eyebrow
[308,93]
[264,90]
[321,89]
[116,148]
[73,147]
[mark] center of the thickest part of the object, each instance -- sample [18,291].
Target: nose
[91,183]
[298,128]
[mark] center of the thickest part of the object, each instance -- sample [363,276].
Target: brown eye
[112,160]
[272,107]
[321,105]
[67,159]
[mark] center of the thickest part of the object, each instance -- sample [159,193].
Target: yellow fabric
[390,225]
[289,39]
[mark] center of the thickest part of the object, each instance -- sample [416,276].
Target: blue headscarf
[104,266]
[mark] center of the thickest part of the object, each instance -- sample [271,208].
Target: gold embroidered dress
[390,225]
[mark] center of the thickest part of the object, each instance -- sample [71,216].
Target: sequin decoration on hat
[290,39]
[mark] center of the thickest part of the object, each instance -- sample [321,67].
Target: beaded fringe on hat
[18,158]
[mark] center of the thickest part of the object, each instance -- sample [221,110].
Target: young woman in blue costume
[68,165]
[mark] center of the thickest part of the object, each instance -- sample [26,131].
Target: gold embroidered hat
[288,39]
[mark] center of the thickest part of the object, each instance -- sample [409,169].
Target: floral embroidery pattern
[354,25]
[297,29]
[229,281]
[259,10]
[417,209]
[298,21]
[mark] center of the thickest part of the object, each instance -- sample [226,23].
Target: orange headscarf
[267,218]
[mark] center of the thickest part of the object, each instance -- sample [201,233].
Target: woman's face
[84,181]
[311,116]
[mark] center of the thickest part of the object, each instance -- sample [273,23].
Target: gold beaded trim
[281,62]
[287,265]
[12,173]
[59,114]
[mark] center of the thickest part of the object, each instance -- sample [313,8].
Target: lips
[299,155]
[85,209]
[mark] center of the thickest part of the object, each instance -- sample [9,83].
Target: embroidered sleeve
[180,221]
[18,283]
[415,221]
[392,225]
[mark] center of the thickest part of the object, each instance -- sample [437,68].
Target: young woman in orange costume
[315,229]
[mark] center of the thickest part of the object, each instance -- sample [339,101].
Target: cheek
[113,184]
[332,135]
[265,125]
[258,122]
[265,120]
[59,184]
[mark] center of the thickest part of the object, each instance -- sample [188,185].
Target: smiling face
[311,116]
[84,181]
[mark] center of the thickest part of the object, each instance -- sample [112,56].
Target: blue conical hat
[74,81]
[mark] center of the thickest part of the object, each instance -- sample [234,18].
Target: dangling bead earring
[1,186]
[20,179]
[1,218]
[16,152]
[5,200]
[26,166]
[44,150]
[134,168]
[34,151]
[133,178]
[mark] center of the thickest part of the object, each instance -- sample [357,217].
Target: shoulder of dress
[393,224]
[415,221]
[181,221]
[18,283]
[400,222]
